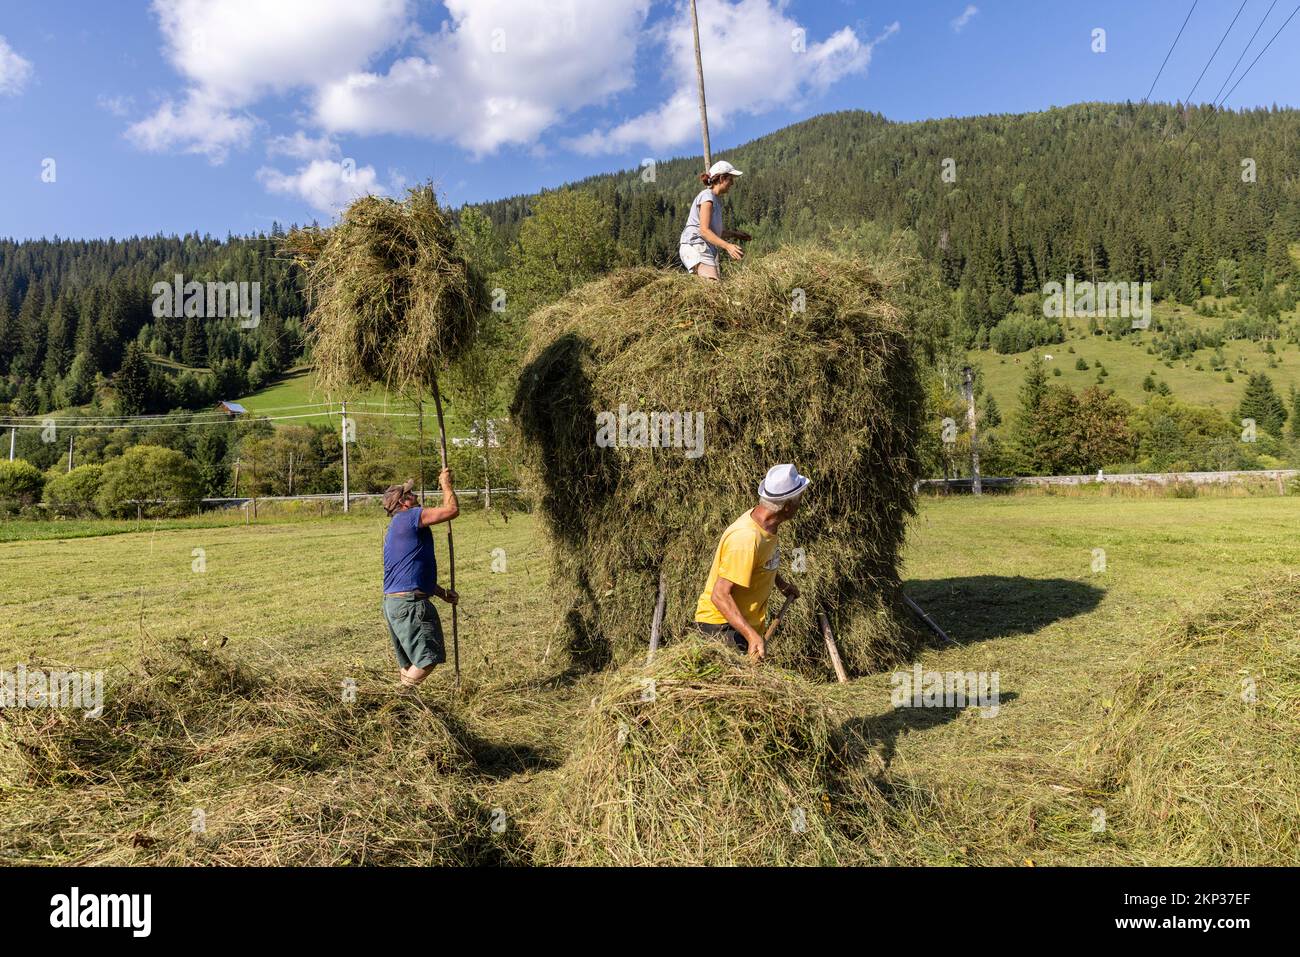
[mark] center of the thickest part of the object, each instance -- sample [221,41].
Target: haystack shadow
[980,607]
[883,730]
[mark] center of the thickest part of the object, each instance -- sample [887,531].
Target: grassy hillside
[1128,363]
[297,388]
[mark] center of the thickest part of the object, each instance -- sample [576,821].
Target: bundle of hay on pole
[392,301]
[1200,749]
[798,357]
[703,758]
[391,298]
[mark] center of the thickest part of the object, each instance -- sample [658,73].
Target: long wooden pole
[451,545]
[927,620]
[699,74]
[776,622]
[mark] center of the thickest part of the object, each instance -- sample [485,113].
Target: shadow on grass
[884,730]
[980,607]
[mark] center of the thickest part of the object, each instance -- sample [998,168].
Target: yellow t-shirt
[747,557]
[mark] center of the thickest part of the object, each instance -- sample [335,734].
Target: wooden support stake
[831,647]
[657,623]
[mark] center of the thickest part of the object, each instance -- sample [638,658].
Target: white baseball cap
[722,167]
[782,482]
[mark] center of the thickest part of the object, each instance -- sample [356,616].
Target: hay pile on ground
[1204,774]
[831,387]
[392,299]
[280,770]
[704,759]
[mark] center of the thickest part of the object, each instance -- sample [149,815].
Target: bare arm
[726,604]
[712,238]
[449,508]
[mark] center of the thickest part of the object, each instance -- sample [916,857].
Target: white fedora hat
[781,483]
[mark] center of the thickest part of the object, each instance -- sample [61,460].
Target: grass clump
[199,759]
[1201,745]
[702,758]
[800,356]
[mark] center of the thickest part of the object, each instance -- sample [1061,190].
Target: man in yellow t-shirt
[733,604]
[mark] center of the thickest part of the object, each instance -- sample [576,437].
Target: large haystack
[199,759]
[1203,745]
[703,758]
[798,356]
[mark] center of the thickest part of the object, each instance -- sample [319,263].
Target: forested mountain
[73,313]
[1105,191]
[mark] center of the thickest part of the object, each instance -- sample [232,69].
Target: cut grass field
[1010,578]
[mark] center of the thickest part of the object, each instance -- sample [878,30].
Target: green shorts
[416,631]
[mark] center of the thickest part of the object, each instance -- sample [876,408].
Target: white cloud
[198,125]
[117,105]
[239,50]
[15,70]
[966,16]
[326,185]
[233,52]
[303,147]
[756,59]
[500,72]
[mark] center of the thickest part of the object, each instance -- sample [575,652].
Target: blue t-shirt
[409,562]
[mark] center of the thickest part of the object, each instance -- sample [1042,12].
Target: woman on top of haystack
[703,235]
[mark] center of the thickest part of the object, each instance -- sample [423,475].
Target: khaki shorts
[692,255]
[416,630]
[726,633]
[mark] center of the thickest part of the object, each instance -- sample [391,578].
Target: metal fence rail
[1279,476]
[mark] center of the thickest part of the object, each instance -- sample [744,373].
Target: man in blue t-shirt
[411,576]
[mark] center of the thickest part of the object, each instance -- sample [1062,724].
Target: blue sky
[224,115]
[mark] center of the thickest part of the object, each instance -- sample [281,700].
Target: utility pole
[13,434]
[699,74]
[969,389]
[290,472]
[236,492]
[345,456]
[70,435]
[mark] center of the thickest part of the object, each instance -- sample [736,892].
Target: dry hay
[1201,774]
[703,758]
[392,298]
[283,770]
[832,388]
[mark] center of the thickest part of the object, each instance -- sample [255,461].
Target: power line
[1261,53]
[326,408]
[1171,50]
[128,419]
[1247,48]
[1188,98]
[159,425]
[1210,113]
[106,426]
